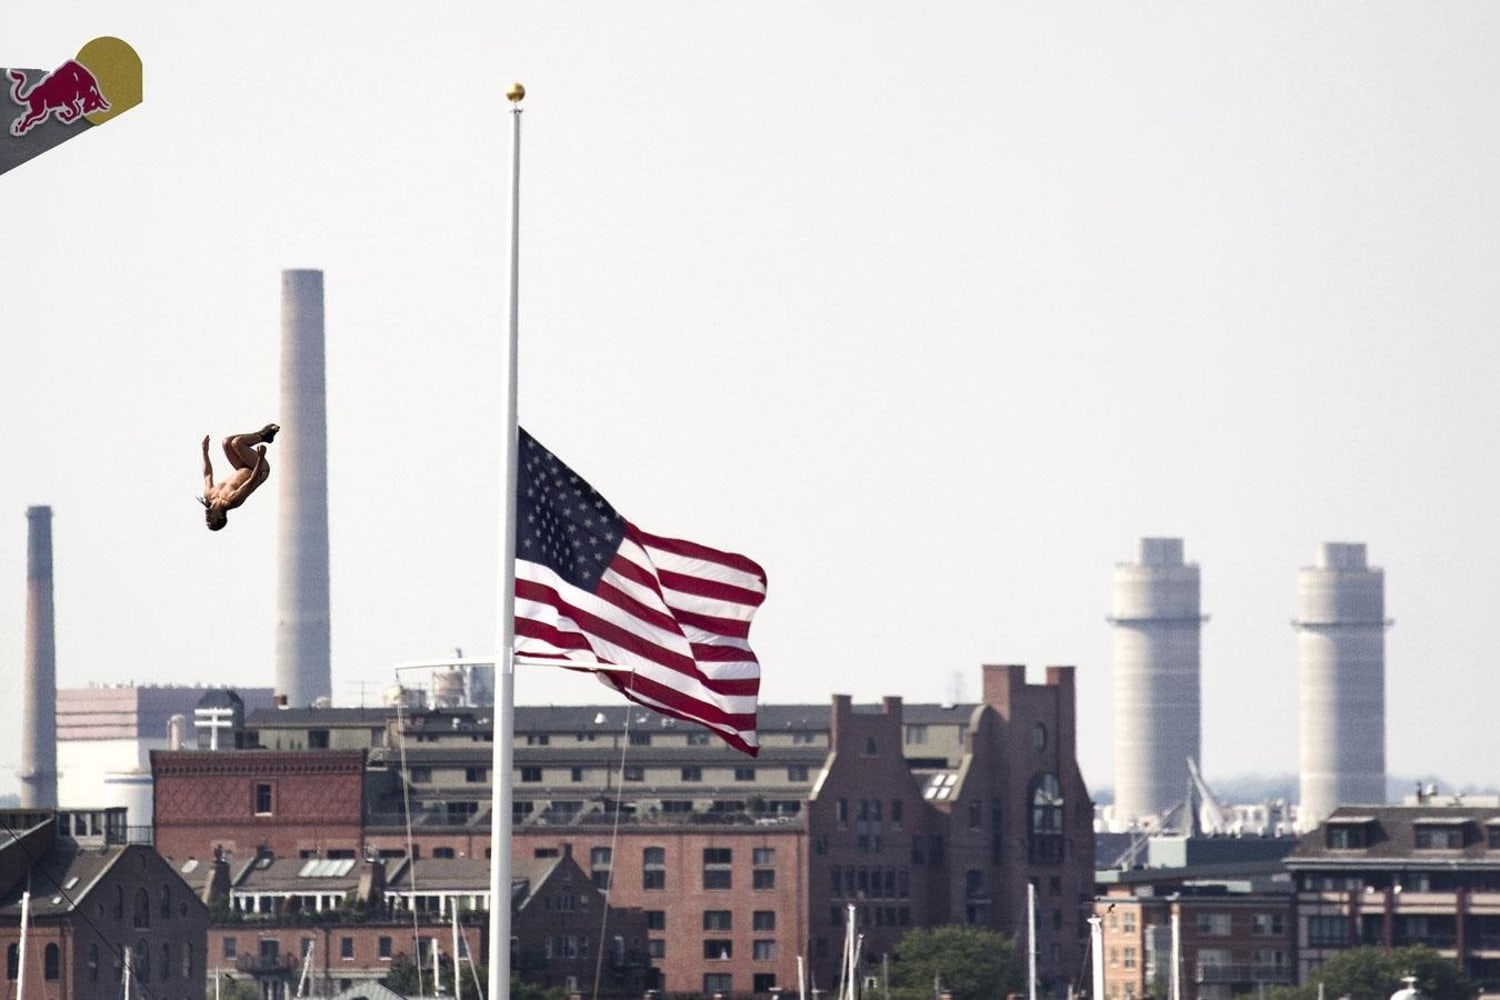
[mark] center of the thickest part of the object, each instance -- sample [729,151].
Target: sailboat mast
[21,962]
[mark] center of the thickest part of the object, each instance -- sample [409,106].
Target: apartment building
[919,815]
[1423,873]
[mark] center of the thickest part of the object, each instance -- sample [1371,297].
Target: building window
[1127,922]
[142,916]
[656,920]
[1213,924]
[635,772]
[531,774]
[654,868]
[716,868]
[697,738]
[263,801]
[231,947]
[421,776]
[764,982]
[1129,958]
[346,949]
[476,775]
[841,813]
[916,736]
[763,878]
[763,920]
[693,773]
[717,982]
[718,949]
[317,739]
[600,859]
[13,962]
[640,739]
[1046,834]
[1327,932]
[1267,924]
[656,948]
[763,951]
[796,772]
[93,963]
[717,920]
[1343,837]
[1439,837]
[443,852]
[383,948]
[870,748]
[976,815]
[803,738]
[744,774]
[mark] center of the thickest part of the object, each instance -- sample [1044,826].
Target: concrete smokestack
[303,656]
[39,697]
[1157,629]
[1341,627]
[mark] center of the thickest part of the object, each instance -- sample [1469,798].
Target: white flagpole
[500,777]
[1031,939]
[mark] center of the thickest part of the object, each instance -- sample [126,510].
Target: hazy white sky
[933,309]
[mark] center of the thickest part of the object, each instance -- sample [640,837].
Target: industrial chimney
[39,687]
[1341,627]
[1157,629]
[303,656]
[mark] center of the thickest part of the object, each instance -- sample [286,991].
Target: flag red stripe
[713,589]
[692,550]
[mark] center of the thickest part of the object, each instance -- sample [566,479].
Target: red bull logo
[97,85]
[68,93]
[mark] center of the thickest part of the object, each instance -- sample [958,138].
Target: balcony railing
[1244,973]
[266,965]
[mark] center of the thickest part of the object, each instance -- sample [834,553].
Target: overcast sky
[933,309]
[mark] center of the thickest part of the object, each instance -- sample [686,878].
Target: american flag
[663,621]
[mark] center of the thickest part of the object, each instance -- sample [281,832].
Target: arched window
[165,971]
[187,961]
[93,963]
[164,897]
[140,961]
[142,910]
[50,963]
[1046,826]
[13,962]
[120,901]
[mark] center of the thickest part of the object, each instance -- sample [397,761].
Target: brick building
[919,815]
[1423,873]
[319,926]
[285,804]
[96,904]
[1236,931]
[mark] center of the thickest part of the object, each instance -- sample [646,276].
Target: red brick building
[288,804]
[96,904]
[917,815]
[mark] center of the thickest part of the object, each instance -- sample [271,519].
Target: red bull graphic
[53,106]
[69,92]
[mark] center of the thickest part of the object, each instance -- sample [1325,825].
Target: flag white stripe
[612,653]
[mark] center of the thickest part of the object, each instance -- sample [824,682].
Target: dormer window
[1439,833]
[1348,834]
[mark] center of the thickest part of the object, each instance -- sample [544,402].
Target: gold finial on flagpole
[515,94]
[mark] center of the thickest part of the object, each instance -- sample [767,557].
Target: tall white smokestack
[303,656]
[1341,627]
[39,694]
[1157,628]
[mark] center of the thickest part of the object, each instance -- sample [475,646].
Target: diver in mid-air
[247,454]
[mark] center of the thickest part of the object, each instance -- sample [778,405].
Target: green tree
[1372,973]
[972,962]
